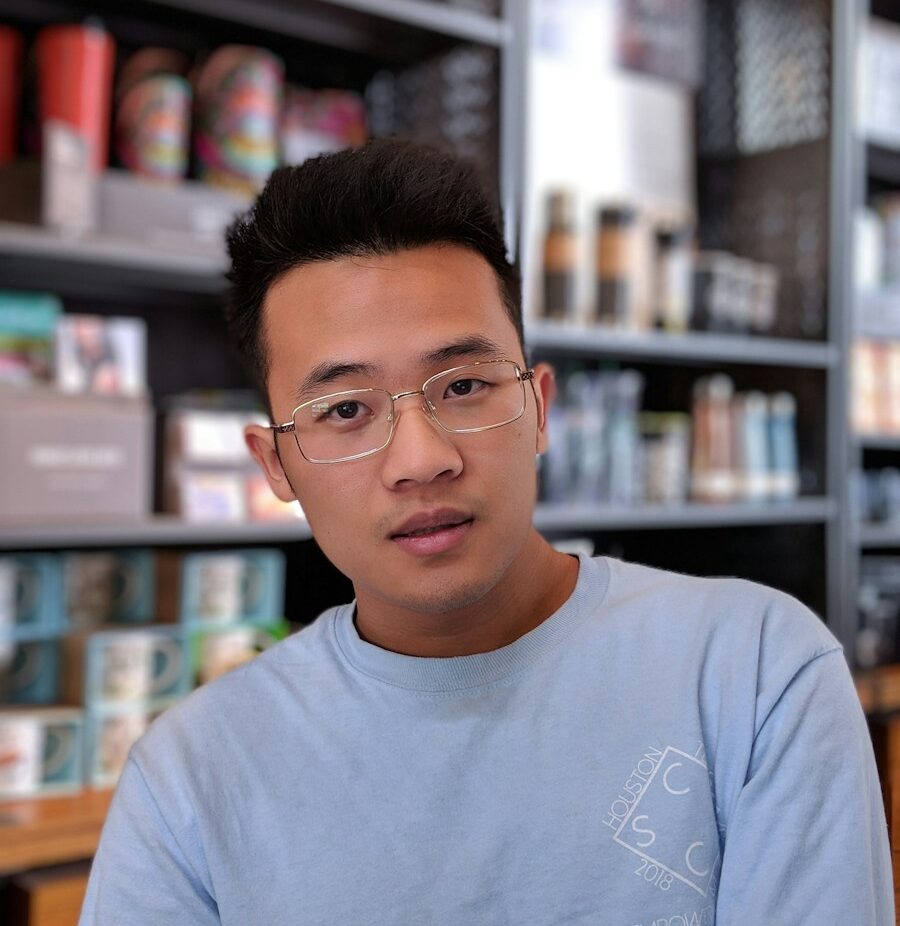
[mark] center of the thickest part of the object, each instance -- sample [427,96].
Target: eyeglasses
[348,425]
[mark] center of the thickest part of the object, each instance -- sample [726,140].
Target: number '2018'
[653,874]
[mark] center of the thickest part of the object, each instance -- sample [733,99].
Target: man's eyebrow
[464,347]
[327,372]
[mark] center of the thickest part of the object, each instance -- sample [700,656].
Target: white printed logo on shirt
[664,814]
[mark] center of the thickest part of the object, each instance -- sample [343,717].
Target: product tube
[614,266]
[712,475]
[560,258]
[673,279]
[783,466]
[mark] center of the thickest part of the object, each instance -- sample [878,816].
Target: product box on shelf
[116,666]
[30,671]
[222,587]
[109,735]
[28,324]
[43,751]
[208,473]
[30,596]
[190,217]
[217,650]
[106,587]
[66,458]
[878,98]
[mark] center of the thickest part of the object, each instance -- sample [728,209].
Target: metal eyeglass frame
[521,376]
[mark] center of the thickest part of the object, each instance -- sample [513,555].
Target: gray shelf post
[844,193]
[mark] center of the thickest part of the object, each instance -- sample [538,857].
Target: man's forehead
[438,294]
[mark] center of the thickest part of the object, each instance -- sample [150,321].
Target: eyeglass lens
[356,422]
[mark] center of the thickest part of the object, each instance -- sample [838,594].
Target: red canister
[75,71]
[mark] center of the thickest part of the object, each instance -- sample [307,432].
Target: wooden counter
[51,830]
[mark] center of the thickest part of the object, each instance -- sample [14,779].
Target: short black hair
[386,196]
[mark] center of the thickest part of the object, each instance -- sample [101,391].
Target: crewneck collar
[458,673]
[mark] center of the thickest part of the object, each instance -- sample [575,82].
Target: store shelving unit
[360,38]
[404,46]
[767,179]
[348,42]
[861,168]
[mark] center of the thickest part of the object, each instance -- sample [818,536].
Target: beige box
[73,458]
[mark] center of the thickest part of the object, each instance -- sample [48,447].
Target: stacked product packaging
[71,104]
[648,275]
[76,412]
[95,645]
[875,396]
[604,450]
[207,471]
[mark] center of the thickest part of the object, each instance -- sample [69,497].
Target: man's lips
[428,522]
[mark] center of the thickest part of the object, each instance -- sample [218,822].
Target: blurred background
[702,196]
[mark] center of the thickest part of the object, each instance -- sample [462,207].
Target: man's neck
[538,582]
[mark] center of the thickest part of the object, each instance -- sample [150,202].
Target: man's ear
[261,443]
[544,382]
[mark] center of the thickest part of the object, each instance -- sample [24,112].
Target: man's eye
[342,411]
[347,410]
[464,387]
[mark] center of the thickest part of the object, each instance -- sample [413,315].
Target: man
[493,732]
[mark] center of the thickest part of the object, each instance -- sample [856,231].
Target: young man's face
[389,313]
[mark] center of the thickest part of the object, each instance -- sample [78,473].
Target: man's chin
[446,599]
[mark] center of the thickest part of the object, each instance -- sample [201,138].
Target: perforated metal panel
[766,76]
[451,100]
[763,124]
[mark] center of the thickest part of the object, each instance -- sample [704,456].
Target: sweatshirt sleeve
[143,873]
[807,839]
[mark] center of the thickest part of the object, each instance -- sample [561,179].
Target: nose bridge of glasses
[425,405]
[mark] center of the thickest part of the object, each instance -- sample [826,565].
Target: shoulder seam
[827,651]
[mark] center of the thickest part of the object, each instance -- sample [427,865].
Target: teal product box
[30,671]
[104,587]
[43,751]
[30,596]
[27,327]
[221,588]
[145,666]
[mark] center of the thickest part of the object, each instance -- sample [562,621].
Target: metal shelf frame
[166,530]
[877,441]
[352,25]
[846,190]
[873,536]
[580,517]
[159,530]
[691,347]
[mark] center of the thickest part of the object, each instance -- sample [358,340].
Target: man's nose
[420,450]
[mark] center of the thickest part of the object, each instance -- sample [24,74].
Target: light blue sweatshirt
[662,751]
